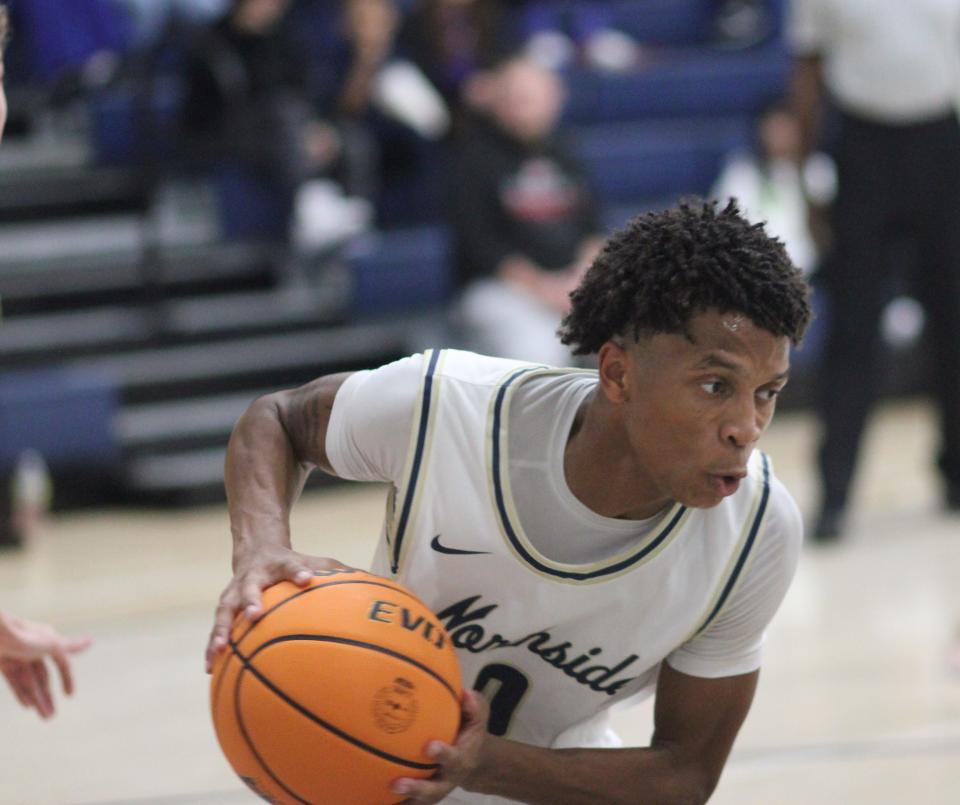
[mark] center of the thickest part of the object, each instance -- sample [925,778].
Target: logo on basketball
[395,706]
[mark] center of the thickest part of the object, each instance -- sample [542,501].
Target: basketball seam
[347,641]
[248,666]
[238,713]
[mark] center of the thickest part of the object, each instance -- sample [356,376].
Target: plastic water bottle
[32,493]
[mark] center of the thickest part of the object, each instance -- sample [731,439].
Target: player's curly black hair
[664,267]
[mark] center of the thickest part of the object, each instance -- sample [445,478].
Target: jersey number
[503,686]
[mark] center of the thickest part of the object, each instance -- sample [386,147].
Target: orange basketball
[336,691]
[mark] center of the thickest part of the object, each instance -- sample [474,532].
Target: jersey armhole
[403,498]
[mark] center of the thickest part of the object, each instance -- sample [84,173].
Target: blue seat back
[660,159]
[63,34]
[67,415]
[401,270]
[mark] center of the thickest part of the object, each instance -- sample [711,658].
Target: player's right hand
[253,573]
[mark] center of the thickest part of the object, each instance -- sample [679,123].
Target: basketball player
[25,646]
[588,538]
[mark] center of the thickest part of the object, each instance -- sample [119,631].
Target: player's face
[697,406]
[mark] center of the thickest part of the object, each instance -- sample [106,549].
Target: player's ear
[613,360]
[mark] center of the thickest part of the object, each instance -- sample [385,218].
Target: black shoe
[829,526]
[951,498]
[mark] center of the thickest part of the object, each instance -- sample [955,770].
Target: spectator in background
[524,218]
[371,86]
[250,98]
[891,69]
[775,185]
[24,646]
[454,43]
[369,29]
[391,95]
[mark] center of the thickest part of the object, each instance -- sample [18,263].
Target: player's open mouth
[727,483]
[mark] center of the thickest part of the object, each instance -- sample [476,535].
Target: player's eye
[768,395]
[714,387]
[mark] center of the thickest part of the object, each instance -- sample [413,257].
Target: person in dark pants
[891,72]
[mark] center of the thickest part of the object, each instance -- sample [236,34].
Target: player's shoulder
[438,367]
[472,367]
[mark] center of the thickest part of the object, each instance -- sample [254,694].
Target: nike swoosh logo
[435,544]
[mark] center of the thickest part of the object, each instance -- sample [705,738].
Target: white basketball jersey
[551,645]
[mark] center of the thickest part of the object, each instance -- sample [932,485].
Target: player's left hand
[456,762]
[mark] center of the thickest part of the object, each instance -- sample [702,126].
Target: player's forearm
[634,776]
[262,477]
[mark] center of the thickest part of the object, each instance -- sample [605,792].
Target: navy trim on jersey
[518,546]
[417,458]
[747,546]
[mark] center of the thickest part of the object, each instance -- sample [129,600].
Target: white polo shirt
[892,61]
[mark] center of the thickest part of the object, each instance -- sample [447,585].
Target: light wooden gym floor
[857,702]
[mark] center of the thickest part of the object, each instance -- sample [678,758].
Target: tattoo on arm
[305,414]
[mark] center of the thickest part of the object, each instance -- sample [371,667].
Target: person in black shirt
[524,218]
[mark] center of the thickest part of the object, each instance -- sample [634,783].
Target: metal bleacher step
[199,368]
[174,448]
[188,475]
[55,334]
[142,426]
[76,237]
[318,302]
[59,335]
[57,179]
[168,474]
[125,270]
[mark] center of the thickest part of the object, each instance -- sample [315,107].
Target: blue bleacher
[56,36]
[66,415]
[131,123]
[663,22]
[658,159]
[250,208]
[401,269]
[694,83]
